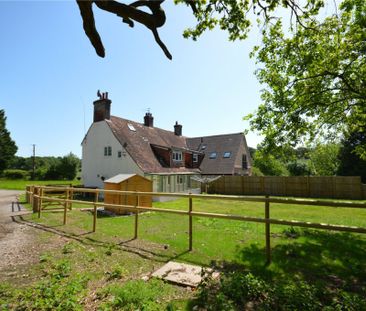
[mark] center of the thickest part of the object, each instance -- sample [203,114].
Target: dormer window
[213,155]
[195,158]
[177,156]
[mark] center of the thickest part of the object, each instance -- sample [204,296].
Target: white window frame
[177,156]
[195,158]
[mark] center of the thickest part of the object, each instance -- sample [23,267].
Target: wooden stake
[268,232]
[190,230]
[39,201]
[95,210]
[65,211]
[72,198]
[137,217]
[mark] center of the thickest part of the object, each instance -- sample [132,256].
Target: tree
[231,15]
[68,166]
[324,159]
[8,147]
[268,165]
[298,168]
[315,79]
[351,164]
[63,168]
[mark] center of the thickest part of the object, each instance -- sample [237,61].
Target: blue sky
[50,75]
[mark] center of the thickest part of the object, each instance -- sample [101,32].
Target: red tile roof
[137,140]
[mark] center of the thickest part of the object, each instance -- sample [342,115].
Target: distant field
[12,184]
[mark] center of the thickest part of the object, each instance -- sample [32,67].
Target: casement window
[108,151]
[244,161]
[195,158]
[177,156]
[213,155]
[227,154]
[119,154]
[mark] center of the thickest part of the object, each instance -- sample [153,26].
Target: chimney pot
[102,109]
[177,129]
[148,119]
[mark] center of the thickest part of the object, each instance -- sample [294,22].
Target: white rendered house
[115,146]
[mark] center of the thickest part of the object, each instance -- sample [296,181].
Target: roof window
[213,155]
[131,127]
[227,154]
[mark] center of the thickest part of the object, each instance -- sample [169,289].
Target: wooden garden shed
[127,182]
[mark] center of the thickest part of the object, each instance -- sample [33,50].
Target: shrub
[234,290]
[137,295]
[60,291]
[16,174]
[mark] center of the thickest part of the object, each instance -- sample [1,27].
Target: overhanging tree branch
[128,13]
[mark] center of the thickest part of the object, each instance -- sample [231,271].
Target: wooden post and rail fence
[42,197]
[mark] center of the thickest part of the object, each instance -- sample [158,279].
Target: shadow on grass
[335,259]
[138,247]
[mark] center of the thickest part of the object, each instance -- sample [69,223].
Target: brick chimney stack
[102,107]
[177,129]
[148,119]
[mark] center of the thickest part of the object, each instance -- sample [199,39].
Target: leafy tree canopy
[231,15]
[324,159]
[48,168]
[268,165]
[8,147]
[315,78]
[350,163]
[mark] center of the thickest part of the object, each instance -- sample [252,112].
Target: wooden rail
[37,196]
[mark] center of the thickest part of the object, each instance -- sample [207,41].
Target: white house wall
[96,165]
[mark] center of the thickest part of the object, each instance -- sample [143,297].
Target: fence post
[72,198]
[65,206]
[190,222]
[95,210]
[39,201]
[67,196]
[33,190]
[27,194]
[268,232]
[137,216]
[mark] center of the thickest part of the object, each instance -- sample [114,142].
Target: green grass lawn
[325,267]
[19,184]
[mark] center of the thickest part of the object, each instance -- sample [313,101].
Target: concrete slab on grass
[181,273]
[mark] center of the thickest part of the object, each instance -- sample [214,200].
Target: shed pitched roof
[119,178]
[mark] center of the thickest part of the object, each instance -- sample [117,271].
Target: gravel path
[15,238]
